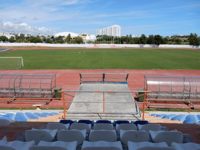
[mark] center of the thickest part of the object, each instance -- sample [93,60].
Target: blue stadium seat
[104,121]
[86,121]
[67,121]
[141,122]
[120,122]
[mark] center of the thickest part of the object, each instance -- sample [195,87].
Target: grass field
[108,58]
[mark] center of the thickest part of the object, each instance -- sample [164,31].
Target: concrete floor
[106,101]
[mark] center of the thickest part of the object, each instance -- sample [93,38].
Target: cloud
[10,27]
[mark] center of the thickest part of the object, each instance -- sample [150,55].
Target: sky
[164,17]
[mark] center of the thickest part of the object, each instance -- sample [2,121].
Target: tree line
[22,38]
[192,39]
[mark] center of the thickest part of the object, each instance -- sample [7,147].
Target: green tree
[12,39]
[142,39]
[158,40]
[193,39]
[151,39]
[68,39]
[77,40]
[3,39]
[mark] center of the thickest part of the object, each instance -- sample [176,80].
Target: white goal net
[11,63]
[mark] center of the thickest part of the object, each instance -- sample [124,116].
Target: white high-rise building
[114,30]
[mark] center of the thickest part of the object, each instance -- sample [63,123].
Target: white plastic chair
[167,136]
[40,135]
[138,145]
[101,145]
[103,135]
[72,135]
[103,126]
[186,146]
[57,125]
[134,136]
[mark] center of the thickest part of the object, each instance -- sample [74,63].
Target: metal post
[64,105]
[103,102]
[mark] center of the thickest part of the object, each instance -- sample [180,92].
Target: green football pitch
[107,58]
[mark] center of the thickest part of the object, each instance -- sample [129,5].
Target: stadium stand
[78,139]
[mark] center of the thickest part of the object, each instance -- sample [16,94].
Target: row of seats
[105,126]
[98,145]
[141,122]
[38,135]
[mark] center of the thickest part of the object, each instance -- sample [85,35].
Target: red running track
[69,79]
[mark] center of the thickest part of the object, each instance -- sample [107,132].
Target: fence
[104,77]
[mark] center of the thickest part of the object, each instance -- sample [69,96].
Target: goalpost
[11,62]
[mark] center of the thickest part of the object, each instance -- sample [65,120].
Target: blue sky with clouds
[165,17]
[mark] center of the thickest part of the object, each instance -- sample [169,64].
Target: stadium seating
[57,145]
[4,122]
[57,125]
[140,145]
[148,127]
[132,135]
[70,136]
[166,136]
[186,146]
[103,135]
[38,135]
[103,126]
[80,126]
[102,145]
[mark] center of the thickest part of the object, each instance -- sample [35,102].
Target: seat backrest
[38,135]
[155,148]
[63,144]
[80,126]
[57,125]
[186,146]
[4,147]
[47,148]
[141,122]
[66,121]
[135,136]
[86,121]
[71,135]
[137,145]
[117,122]
[101,148]
[4,122]
[126,126]
[148,127]
[103,126]
[101,145]
[104,121]
[103,135]
[20,145]
[3,140]
[167,136]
